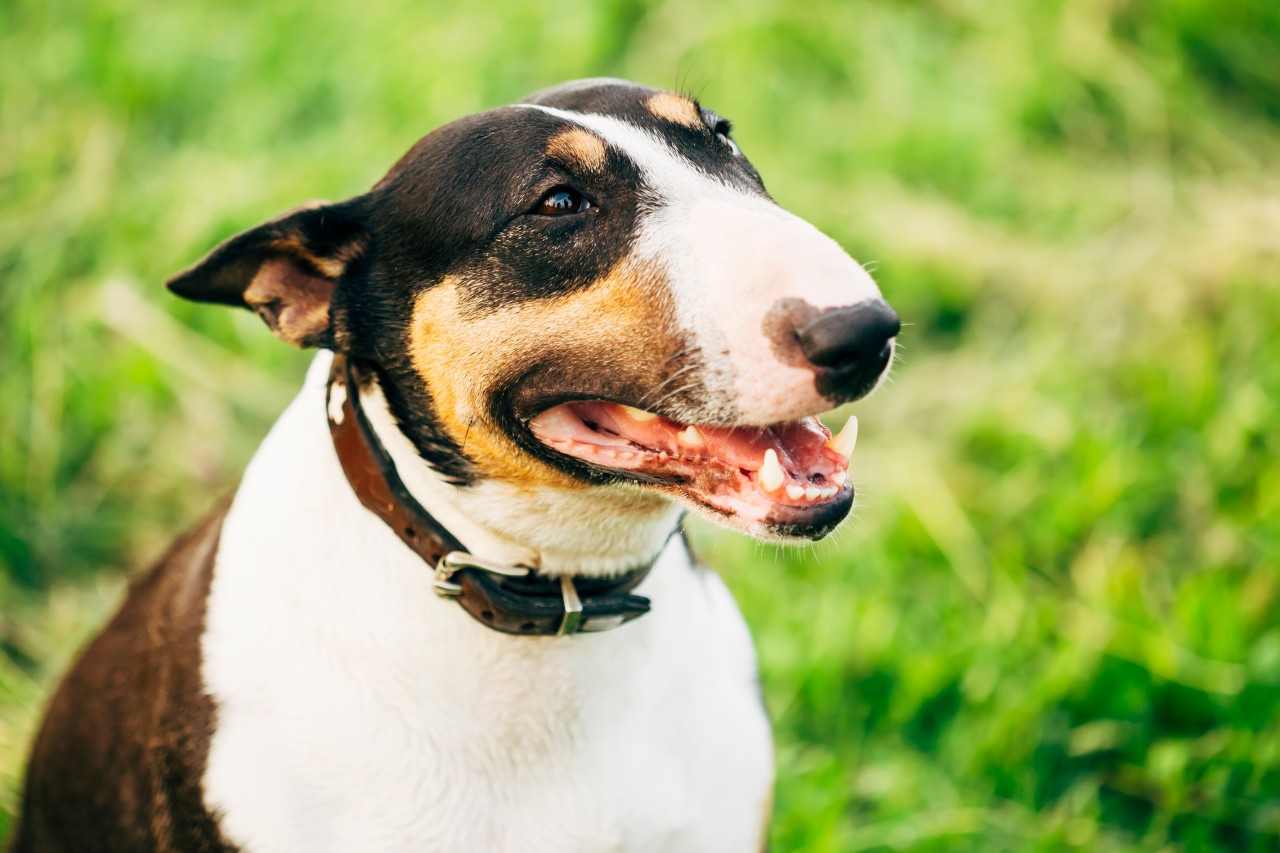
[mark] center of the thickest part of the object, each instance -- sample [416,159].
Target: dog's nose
[853,344]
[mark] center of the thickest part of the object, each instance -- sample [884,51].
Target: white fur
[730,256]
[359,711]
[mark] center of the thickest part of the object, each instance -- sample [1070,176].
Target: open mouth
[793,475]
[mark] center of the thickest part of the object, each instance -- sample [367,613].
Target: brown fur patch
[674,108]
[119,760]
[615,331]
[578,147]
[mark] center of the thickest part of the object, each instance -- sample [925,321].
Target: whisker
[665,383]
[466,435]
[671,394]
[689,350]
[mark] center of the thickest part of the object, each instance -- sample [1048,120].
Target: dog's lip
[785,474]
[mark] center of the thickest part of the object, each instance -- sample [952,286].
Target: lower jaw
[780,522]
[750,512]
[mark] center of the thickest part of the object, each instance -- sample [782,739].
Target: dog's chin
[789,481]
[803,525]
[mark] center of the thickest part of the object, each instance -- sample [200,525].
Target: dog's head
[591,288]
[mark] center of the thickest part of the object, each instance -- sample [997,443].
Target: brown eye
[561,201]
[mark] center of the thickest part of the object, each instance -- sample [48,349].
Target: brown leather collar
[510,599]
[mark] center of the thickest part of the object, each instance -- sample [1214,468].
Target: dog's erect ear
[285,270]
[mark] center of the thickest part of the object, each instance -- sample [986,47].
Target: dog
[446,608]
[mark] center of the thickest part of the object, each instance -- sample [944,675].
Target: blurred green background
[1052,625]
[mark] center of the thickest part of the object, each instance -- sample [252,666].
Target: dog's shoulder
[133,710]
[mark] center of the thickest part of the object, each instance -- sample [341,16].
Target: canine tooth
[690,435]
[795,492]
[638,414]
[771,475]
[840,478]
[848,437]
[812,492]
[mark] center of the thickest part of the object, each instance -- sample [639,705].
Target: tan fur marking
[674,108]
[578,146]
[616,325]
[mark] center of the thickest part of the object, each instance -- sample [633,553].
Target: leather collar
[510,599]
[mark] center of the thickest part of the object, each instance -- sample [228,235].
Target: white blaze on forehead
[730,256]
[667,174]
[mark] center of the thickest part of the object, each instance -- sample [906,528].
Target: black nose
[852,345]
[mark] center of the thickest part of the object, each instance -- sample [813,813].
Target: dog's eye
[561,201]
[722,127]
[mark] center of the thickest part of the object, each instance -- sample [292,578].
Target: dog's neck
[592,531]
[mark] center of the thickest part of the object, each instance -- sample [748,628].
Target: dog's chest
[358,711]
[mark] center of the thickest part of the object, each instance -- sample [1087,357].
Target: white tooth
[848,437]
[771,475]
[690,435]
[795,492]
[812,492]
[840,478]
[624,454]
[830,491]
[638,414]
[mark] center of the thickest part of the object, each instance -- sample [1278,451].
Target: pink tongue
[798,445]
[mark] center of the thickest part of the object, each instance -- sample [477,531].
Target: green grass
[1052,625]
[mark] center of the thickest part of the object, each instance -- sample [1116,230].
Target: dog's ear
[285,270]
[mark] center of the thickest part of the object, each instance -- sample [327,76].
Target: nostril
[845,338]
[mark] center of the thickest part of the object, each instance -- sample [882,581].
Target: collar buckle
[454,561]
[450,563]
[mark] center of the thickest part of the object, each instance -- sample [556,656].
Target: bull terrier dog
[445,608]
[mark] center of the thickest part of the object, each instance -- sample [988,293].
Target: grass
[1052,626]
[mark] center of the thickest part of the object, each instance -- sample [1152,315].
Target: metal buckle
[572,608]
[455,560]
[446,587]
